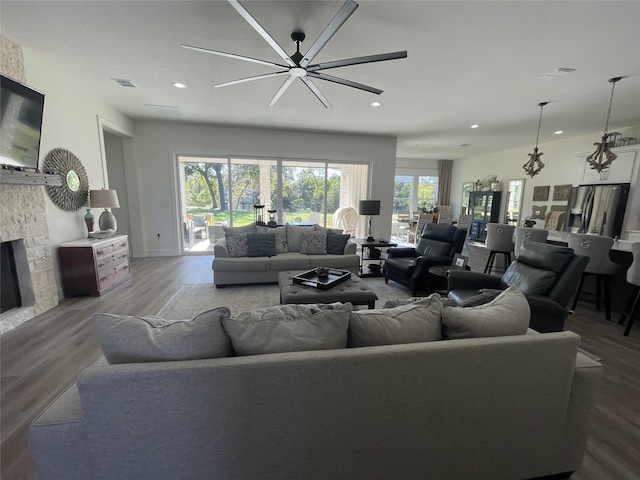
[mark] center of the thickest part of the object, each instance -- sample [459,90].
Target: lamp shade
[369,207]
[103,199]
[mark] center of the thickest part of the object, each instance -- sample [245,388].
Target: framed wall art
[539,211]
[561,192]
[541,194]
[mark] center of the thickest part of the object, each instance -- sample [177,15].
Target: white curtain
[358,190]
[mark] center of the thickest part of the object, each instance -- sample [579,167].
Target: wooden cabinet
[94,266]
[484,208]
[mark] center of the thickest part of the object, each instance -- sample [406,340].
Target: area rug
[193,299]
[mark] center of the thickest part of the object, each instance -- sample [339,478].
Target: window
[217,191]
[413,192]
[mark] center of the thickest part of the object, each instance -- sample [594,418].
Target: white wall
[70,122]
[561,167]
[157,143]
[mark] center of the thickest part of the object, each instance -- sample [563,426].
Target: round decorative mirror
[72,194]
[73,180]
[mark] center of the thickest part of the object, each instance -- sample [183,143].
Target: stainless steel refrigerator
[597,209]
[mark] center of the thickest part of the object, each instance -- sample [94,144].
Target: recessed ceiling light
[558,132]
[475,126]
[179,85]
[376,104]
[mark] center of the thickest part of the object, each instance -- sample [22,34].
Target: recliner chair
[547,274]
[436,246]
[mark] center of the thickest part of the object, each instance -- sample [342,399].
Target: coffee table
[352,290]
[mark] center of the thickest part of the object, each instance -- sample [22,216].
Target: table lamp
[105,199]
[369,208]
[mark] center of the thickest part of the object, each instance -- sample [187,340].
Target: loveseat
[399,403]
[296,248]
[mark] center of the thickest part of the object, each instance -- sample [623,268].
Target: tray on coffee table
[312,279]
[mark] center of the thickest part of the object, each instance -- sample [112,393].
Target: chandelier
[534,165]
[602,157]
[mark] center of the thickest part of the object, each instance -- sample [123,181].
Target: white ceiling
[469,62]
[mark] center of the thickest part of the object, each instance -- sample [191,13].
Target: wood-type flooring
[42,357]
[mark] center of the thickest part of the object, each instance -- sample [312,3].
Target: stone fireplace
[23,223]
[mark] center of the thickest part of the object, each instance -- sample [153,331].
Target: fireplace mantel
[12,177]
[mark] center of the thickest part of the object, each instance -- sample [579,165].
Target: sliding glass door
[235,192]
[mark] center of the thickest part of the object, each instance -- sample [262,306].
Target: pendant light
[534,165]
[602,157]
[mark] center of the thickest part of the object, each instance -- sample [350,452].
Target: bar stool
[633,277]
[499,240]
[597,248]
[531,234]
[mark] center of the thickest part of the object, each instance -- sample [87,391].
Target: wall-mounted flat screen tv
[21,109]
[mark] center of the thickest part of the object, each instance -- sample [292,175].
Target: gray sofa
[505,407]
[228,270]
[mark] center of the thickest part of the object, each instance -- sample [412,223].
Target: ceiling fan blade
[233,55]
[357,60]
[334,25]
[261,31]
[281,90]
[316,91]
[250,79]
[342,81]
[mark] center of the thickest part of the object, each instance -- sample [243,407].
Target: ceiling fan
[298,65]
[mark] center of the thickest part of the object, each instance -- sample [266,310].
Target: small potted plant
[322,272]
[528,222]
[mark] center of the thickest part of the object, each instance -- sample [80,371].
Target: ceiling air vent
[124,83]
[557,73]
[165,110]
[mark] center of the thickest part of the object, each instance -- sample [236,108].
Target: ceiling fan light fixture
[297,65]
[535,165]
[603,156]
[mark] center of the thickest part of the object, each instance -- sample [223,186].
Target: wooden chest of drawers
[94,266]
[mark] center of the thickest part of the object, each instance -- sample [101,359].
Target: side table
[371,256]
[437,280]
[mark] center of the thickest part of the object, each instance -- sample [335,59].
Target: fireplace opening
[10,297]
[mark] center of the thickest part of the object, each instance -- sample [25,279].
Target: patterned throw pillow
[314,243]
[237,244]
[336,242]
[261,244]
[281,236]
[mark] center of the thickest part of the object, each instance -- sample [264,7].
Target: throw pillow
[507,314]
[416,322]
[294,236]
[314,243]
[251,228]
[129,339]
[289,328]
[237,244]
[261,244]
[336,242]
[281,236]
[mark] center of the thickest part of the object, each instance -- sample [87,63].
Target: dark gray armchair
[547,274]
[437,246]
